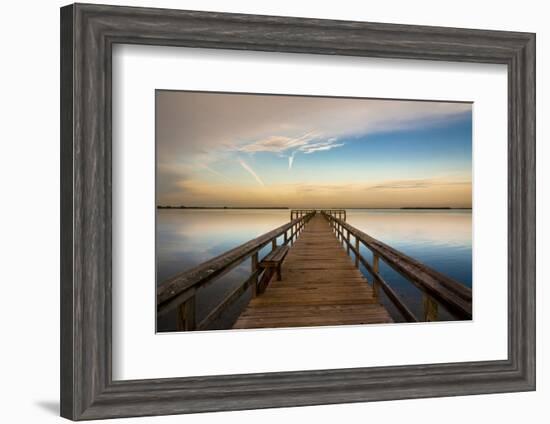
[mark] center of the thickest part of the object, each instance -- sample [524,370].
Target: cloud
[213,171]
[291,160]
[399,185]
[451,193]
[193,125]
[415,184]
[307,143]
[319,147]
[278,143]
[251,171]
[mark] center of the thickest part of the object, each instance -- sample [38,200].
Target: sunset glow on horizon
[246,150]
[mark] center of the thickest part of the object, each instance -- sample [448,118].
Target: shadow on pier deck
[320,286]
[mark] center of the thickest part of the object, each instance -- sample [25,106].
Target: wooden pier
[320,285]
[312,277]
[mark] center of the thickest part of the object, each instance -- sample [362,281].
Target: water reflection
[440,239]
[186,238]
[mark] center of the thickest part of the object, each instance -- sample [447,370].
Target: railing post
[274,244]
[348,243]
[430,308]
[254,268]
[376,269]
[356,252]
[286,237]
[186,315]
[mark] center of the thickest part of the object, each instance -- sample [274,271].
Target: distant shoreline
[287,208]
[218,207]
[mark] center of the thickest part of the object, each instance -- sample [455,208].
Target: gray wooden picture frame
[88,33]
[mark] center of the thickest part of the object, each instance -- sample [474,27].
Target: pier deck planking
[320,286]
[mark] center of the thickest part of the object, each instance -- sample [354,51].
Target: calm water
[441,239]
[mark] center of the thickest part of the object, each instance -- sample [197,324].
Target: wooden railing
[179,292]
[436,287]
[335,213]
[298,213]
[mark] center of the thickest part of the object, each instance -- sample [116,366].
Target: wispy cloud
[287,147]
[213,171]
[319,147]
[248,168]
[415,184]
[278,143]
[291,159]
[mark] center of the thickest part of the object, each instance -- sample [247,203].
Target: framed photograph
[237,175]
[263,211]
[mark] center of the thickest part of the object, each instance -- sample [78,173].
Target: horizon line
[304,207]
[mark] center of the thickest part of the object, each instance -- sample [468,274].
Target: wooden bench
[272,263]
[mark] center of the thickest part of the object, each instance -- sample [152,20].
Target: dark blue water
[442,239]
[186,238]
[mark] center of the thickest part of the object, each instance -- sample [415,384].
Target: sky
[250,150]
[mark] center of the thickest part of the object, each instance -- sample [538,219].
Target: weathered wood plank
[170,292]
[456,297]
[228,300]
[379,282]
[320,286]
[275,256]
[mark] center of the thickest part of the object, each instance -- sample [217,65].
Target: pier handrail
[437,287]
[179,291]
[297,213]
[336,213]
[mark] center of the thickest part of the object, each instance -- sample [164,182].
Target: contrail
[291,160]
[251,171]
[213,171]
